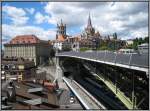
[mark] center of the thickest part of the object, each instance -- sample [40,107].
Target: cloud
[66,11]
[125,18]
[128,19]
[137,21]
[30,10]
[16,15]
[39,18]
[25,30]
[139,32]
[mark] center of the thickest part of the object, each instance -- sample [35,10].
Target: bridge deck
[131,61]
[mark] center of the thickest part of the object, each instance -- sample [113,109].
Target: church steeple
[61,28]
[90,31]
[89,25]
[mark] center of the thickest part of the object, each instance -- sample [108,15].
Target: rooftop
[24,99]
[26,39]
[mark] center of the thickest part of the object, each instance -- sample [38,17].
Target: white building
[126,51]
[143,48]
[62,45]
[129,41]
[75,46]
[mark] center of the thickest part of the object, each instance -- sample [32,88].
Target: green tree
[140,41]
[146,40]
[104,48]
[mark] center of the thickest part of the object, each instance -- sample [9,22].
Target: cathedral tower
[61,29]
[90,31]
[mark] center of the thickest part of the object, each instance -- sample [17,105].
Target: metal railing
[137,60]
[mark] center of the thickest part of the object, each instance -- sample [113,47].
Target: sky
[128,19]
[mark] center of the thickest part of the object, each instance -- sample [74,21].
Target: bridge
[114,70]
[131,61]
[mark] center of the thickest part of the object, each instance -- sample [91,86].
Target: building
[143,48]
[126,51]
[61,41]
[17,69]
[62,45]
[28,47]
[74,41]
[89,31]
[2,53]
[90,38]
[61,31]
[129,42]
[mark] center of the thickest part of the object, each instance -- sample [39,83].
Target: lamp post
[94,43]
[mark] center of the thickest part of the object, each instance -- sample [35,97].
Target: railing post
[116,81]
[130,59]
[133,90]
[115,58]
[105,55]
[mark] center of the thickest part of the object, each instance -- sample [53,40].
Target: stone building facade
[28,47]
[61,41]
[90,38]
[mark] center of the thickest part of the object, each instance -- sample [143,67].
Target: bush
[84,49]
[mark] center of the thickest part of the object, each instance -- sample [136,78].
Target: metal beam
[127,102]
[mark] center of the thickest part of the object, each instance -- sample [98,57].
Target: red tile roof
[23,39]
[61,38]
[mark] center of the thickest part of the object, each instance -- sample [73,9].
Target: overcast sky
[128,19]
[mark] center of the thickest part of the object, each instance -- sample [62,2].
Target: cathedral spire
[61,22]
[89,22]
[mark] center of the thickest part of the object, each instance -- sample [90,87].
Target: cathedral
[90,30]
[90,38]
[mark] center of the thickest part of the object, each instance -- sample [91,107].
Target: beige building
[29,47]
